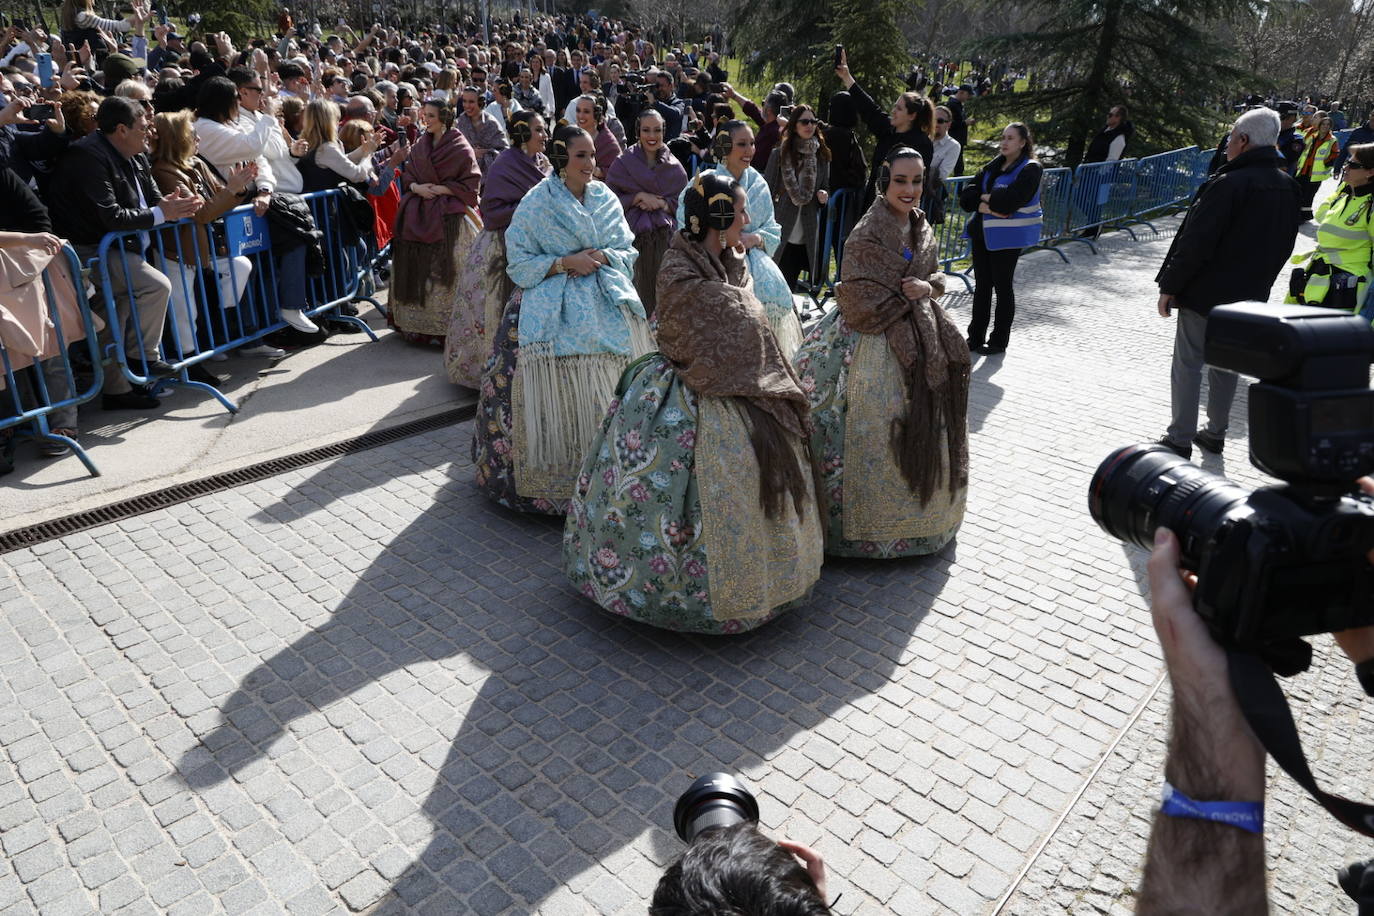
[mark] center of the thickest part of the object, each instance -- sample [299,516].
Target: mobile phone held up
[839,54]
[44,61]
[41,112]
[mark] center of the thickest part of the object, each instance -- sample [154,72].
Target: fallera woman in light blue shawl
[572,326]
[733,147]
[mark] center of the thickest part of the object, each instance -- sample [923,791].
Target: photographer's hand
[1200,865]
[815,865]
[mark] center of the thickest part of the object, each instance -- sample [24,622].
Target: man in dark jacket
[1110,143]
[1236,237]
[103,184]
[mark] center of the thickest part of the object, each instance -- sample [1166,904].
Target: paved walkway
[362,687]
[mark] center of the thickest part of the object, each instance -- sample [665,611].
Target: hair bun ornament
[695,222]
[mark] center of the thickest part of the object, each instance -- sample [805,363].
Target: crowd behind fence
[233,299]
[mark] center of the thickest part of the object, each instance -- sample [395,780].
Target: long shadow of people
[584,728]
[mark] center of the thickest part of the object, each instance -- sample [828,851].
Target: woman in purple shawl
[484,282]
[648,180]
[591,117]
[434,228]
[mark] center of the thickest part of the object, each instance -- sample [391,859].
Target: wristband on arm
[1248,816]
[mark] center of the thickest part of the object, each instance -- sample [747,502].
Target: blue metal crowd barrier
[229,300]
[951,240]
[1056,200]
[836,220]
[35,387]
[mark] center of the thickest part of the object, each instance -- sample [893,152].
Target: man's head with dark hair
[218,100]
[115,111]
[241,76]
[290,70]
[736,870]
[200,59]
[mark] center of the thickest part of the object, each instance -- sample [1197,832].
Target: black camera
[713,800]
[1283,561]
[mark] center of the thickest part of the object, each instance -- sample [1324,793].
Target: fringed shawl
[427,231]
[631,175]
[575,315]
[926,343]
[716,333]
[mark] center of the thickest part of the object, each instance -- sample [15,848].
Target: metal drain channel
[170,496]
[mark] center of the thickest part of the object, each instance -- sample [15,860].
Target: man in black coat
[1236,237]
[103,184]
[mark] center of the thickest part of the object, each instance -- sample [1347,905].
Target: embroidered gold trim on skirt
[878,502]
[756,564]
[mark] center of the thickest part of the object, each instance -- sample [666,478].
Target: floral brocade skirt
[427,320]
[665,525]
[856,388]
[484,288]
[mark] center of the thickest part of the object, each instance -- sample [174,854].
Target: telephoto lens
[713,800]
[1139,488]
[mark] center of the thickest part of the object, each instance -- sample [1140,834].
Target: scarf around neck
[716,334]
[800,183]
[880,252]
[508,180]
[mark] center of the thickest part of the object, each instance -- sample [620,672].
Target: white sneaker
[297,319]
[262,350]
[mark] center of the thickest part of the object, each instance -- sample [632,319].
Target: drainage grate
[170,496]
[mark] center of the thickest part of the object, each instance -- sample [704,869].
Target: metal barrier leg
[181,378]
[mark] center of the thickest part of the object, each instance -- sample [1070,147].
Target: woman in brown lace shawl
[696,509]
[887,376]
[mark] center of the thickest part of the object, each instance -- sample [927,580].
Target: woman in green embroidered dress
[696,509]
[887,376]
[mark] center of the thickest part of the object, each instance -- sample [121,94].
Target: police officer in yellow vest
[1337,272]
[1319,151]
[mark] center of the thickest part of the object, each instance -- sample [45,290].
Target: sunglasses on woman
[804,122]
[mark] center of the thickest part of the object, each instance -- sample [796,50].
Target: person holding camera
[1337,272]
[714,427]
[1234,240]
[1215,764]
[648,180]
[909,123]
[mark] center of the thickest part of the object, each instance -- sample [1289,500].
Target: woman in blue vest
[1006,197]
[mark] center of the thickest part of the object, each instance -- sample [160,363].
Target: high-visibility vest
[1317,155]
[1019,230]
[1345,240]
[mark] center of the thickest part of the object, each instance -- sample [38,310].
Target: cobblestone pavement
[362,687]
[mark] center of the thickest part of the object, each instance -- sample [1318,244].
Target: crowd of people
[608,254]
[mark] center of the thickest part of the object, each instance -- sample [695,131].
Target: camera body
[1283,561]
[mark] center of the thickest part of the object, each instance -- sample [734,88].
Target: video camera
[1284,561]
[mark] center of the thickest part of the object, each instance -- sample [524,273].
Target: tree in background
[794,40]
[1161,57]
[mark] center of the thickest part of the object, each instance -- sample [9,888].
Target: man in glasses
[947,149]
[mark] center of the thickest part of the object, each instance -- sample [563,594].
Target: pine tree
[794,40]
[1159,57]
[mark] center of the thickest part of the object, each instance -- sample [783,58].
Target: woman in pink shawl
[648,180]
[484,280]
[435,227]
[591,117]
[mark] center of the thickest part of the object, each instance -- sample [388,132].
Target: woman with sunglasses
[1337,272]
[484,281]
[798,174]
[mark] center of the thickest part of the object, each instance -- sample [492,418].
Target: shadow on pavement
[583,728]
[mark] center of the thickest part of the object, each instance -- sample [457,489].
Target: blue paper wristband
[1248,816]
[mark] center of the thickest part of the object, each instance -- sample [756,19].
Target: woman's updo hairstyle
[522,127]
[892,158]
[445,111]
[558,145]
[724,139]
[709,204]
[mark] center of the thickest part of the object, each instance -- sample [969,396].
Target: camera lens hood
[713,800]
